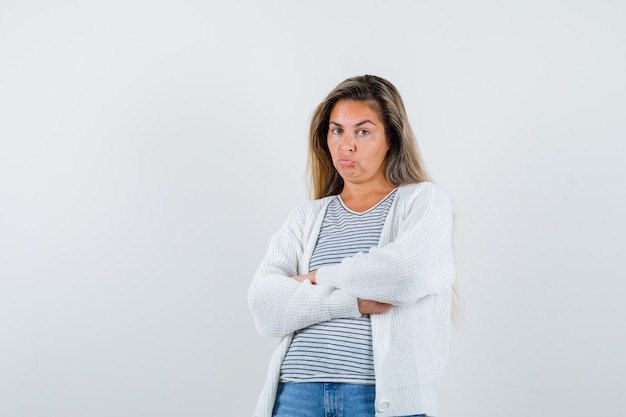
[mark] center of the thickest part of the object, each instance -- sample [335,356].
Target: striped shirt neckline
[343,204]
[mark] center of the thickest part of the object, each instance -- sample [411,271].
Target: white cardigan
[412,268]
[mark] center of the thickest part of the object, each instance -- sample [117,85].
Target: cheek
[332,148]
[329,145]
[384,151]
[331,153]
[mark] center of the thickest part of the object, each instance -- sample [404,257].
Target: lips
[345,162]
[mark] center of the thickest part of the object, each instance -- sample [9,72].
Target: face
[357,142]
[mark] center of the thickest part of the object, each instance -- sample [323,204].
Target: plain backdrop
[149,149]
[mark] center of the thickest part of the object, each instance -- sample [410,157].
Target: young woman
[358,282]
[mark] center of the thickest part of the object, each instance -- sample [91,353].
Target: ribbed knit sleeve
[281,305]
[418,262]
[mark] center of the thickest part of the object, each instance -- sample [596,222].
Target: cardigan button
[382,406]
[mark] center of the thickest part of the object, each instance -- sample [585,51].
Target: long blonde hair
[403,163]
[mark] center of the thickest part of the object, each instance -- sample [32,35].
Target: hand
[373,307]
[310,276]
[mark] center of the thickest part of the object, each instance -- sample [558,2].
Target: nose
[347,143]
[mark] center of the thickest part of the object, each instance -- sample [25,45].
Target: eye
[363,132]
[335,131]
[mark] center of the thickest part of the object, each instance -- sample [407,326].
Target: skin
[358,147]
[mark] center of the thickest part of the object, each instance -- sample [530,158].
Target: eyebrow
[358,124]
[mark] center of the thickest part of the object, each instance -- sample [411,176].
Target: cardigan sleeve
[281,305]
[417,263]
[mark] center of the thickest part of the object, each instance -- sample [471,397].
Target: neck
[361,197]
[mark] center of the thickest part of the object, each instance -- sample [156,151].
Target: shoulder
[307,211]
[312,207]
[426,191]
[423,196]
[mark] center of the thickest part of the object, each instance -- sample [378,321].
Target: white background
[149,149]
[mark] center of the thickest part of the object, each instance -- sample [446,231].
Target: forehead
[355,111]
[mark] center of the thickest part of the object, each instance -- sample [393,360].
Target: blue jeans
[325,399]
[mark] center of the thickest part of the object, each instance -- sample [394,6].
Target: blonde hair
[403,163]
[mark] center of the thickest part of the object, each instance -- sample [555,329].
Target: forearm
[416,264]
[281,305]
[386,283]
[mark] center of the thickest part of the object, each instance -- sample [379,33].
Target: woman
[358,282]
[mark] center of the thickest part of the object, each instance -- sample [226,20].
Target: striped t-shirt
[338,350]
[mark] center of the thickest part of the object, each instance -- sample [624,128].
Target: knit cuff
[342,305]
[327,275]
